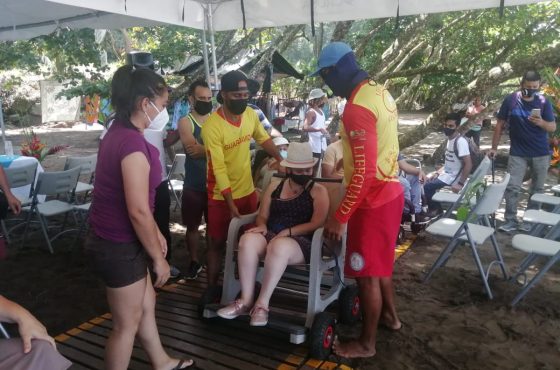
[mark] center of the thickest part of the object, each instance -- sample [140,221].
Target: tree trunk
[341,29]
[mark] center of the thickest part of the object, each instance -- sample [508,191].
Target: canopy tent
[22,19]
[278,67]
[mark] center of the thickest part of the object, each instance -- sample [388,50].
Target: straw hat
[315,94]
[280,141]
[299,156]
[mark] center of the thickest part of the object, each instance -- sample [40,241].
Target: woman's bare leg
[252,247]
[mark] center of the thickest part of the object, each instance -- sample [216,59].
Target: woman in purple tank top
[124,239]
[289,214]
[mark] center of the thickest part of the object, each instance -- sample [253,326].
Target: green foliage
[473,192]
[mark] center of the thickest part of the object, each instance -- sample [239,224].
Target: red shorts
[219,215]
[371,239]
[194,205]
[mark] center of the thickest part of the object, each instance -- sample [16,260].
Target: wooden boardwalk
[214,343]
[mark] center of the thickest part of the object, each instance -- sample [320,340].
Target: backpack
[476,155]
[517,95]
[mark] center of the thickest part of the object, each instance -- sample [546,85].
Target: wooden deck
[213,343]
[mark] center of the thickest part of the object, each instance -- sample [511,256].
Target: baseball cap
[330,55]
[230,82]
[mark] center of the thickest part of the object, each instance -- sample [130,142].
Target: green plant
[474,190]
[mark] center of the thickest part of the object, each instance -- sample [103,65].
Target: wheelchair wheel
[401,236]
[349,305]
[211,295]
[321,336]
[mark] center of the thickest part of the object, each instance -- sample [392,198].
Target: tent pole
[214,64]
[2,123]
[205,47]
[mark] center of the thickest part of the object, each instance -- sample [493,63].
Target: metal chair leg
[442,259]
[536,278]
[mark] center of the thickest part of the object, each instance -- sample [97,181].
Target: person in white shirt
[314,123]
[457,166]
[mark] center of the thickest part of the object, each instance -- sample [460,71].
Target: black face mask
[202,107]
[448,131]
[237,106]
[300,179]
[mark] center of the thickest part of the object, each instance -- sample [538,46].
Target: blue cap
[331,54]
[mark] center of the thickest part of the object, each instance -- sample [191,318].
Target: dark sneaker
[194,269]
[174,272]
[422,218]
[212,294]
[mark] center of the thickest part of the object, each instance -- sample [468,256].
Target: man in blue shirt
[530,119]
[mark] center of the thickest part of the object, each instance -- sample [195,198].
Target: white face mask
[284,153]
[159,121]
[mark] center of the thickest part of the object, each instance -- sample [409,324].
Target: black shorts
[117,264]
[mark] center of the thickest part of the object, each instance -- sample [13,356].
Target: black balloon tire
[321,335]
[349,308]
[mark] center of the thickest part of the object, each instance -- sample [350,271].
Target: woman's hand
[162,271]
[14,203]
[30,328]
[261,229]
[162,243]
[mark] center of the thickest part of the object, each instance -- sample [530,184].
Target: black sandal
[181,362]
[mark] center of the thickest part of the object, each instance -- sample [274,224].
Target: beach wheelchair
[300,301]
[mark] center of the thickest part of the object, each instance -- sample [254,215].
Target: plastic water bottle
[8,148]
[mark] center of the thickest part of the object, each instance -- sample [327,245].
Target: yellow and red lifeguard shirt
[228,153]
[370,149]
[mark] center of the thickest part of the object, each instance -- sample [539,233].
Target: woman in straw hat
[289,213]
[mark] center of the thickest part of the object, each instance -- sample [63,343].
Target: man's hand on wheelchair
[333,229]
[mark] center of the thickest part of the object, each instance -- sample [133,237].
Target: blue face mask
[527,93]
[344,76]
[284,154]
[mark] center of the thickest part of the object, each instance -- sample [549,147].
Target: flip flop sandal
[180,364]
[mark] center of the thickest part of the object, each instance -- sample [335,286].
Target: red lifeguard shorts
[371,239]
[219,215]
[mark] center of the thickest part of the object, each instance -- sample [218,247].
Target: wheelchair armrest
[235,226]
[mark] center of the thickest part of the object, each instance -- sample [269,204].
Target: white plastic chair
[57,184]
[18,177]
[474,234]
[175,178]
[87,167]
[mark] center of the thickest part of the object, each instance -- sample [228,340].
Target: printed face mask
[203,107]
[237,106]
[527,93]
[160,120]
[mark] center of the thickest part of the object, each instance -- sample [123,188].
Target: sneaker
[212,295]
[509,227]
[194,269]
[259,316]
[174,272]
[421,218]
[233,310]
[525,227]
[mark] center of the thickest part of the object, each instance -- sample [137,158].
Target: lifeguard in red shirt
[373,203]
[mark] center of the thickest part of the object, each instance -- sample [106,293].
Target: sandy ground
[449,323]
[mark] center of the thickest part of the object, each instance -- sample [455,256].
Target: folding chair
[536,247]
[453,198]
[53,184]
[175,178]
[87,167]
[18,177]
[474,234]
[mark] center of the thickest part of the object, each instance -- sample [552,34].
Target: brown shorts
[117,264]
[194,206]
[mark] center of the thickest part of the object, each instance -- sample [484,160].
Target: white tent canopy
[235,14]
[25,19]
